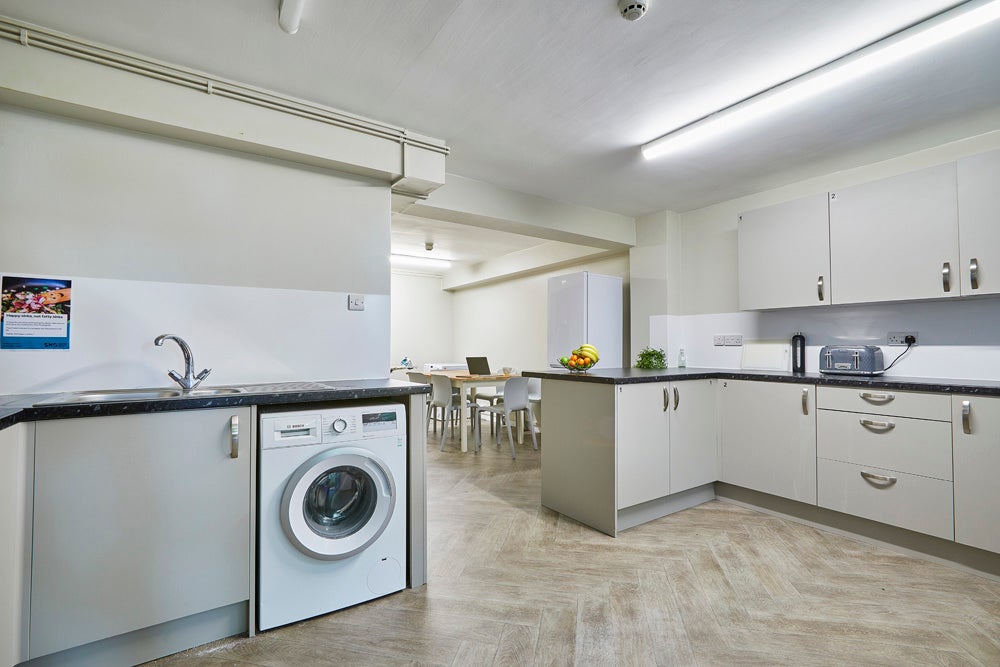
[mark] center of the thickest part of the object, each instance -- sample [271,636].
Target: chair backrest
[440,391]
[419,378]
[515,394]
[535,389]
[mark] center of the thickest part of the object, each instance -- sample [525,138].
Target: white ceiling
[453,241]
[553,98]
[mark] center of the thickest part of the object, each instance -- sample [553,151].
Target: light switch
[355,302]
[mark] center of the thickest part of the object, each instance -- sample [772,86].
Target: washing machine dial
[339,425]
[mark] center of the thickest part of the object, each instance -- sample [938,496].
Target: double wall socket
[727,339]
[899,337]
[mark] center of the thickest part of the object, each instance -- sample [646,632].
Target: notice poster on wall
[34,313]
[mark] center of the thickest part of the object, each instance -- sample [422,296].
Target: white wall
[507,321]
[422,320]
[249,258]
[959,338]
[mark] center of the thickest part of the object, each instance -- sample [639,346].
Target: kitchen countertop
[639,376]
[25,408]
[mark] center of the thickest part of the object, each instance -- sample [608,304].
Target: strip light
[879,55]
[416,262]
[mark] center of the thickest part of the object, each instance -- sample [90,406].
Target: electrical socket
[718,340]
[733,339]
[899,337]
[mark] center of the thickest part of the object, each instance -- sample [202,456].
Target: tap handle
[204,374]
[176,377]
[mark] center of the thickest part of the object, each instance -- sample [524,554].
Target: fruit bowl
[577,369]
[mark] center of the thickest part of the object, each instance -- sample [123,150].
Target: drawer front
[914,446]
[885,402]
[916,503]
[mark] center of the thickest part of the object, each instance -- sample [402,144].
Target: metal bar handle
[967,417]
[974,272]
[884,479]
[882,426]
[877,397]
[234,437]
[666,399]
[805,401]
[819,287]
[946,276]
[677,398]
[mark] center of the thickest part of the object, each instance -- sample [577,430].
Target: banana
[588,351]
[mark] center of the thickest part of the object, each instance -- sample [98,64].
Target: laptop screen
[478,366]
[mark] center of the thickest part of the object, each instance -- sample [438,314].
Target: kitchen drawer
[916,503]
[914,446]
[885,402]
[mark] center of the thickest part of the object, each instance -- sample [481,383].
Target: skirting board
[945,552]
[661,507]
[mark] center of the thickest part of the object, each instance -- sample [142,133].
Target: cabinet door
[784,255]
[768,432]
[694,451]
[138,520]
[977,466]
[979,222]
[642,442]
[892,239]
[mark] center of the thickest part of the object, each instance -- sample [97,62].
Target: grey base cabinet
[138,520]
[768,433]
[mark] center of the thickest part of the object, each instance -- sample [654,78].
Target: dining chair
[443,398]
[423,378]
[515,399]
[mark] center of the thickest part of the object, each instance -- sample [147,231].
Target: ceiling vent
[632,10]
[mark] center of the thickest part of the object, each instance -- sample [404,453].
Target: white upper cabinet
[979,223]
[784,254]
[897,238]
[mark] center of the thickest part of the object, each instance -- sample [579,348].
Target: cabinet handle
[677,398]
[974,272]
[881,426]
[805,401]
[946,276]
[234,437]
[884,479]
[967,417]
[666,399]
[877,397]
[819,287]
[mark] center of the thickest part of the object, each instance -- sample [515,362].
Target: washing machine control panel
[364,422]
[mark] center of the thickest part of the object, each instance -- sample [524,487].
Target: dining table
[467,385]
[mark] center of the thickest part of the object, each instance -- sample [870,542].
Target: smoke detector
[632,10]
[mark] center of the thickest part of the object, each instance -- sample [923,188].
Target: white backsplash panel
[244,334]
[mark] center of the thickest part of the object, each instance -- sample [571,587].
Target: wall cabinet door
[694,451]
[138,520]
[896,238]
[642,442]
[768,432]
[976,441]
[979,223]
[784,255]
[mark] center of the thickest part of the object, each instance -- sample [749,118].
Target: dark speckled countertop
[25,408]
[639,376]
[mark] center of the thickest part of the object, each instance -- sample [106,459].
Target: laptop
[478,366]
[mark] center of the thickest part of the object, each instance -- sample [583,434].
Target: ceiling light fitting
[632,10]
[415,262]
[889,51]
[290,15]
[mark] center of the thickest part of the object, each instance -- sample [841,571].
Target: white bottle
[682,361]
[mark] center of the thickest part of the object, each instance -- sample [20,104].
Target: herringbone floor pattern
[512,583]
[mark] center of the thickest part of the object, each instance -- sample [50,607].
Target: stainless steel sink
[116,395]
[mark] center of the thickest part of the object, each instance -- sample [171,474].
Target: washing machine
[332,510]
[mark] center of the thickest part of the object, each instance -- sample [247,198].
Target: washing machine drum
[337,503]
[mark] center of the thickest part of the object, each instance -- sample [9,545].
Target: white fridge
[583,308]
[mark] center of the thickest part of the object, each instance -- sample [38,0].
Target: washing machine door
[337,503]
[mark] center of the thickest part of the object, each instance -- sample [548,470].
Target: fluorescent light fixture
[889,51]
[416,262]
[290,15]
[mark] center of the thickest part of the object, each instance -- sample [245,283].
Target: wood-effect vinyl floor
[512,583]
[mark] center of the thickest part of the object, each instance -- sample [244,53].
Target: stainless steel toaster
[851,360]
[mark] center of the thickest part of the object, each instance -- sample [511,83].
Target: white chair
[535,400]
[441,397]
[423,378]
[515,399]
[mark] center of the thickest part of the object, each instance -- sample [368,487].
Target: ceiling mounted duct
[290,15]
